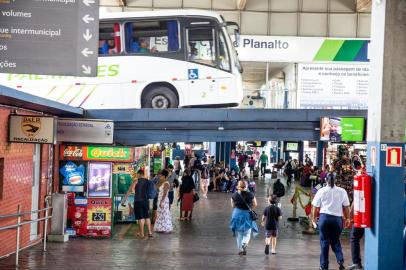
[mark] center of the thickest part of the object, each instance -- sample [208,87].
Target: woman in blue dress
[241,222]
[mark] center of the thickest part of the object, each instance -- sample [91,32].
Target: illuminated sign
[96,153]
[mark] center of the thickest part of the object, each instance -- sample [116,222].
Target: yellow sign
[121,168]
[32,129]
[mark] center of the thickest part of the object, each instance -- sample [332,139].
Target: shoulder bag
[253,214]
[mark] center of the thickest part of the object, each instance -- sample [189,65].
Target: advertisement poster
[99,180]
[157,165]
[99,216]
[337,129]
[73,175]
[292,146]
[333,86]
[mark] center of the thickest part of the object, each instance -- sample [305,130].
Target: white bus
[154,59]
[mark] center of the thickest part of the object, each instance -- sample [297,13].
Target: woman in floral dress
[163,222]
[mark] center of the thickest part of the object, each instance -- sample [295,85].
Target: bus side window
[109,38]
[152,36]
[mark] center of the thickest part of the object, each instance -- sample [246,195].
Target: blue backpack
[150,190]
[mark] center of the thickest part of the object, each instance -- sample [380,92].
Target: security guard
[330,201]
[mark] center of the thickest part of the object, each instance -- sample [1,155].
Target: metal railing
[17,226]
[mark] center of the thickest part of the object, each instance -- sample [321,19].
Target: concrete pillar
[386,128]
[223,153]
[301,151]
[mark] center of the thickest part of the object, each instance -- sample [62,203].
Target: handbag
[195,197]
[253,214]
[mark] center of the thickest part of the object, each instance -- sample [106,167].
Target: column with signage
[386,130]
[87,176]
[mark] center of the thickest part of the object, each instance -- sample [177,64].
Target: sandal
[150,235]
[140,235]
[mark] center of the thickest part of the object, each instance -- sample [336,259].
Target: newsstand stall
[86,175]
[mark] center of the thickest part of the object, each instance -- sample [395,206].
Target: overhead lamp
[220,128]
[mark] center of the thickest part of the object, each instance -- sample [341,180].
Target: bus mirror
[236,32]
[237,38]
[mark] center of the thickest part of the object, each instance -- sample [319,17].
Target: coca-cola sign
[71,152]
[96,153]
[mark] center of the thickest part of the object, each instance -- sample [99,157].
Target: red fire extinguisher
[362,200]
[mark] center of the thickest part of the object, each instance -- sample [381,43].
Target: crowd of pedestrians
[331,207]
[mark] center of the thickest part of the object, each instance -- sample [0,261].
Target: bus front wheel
[159,97]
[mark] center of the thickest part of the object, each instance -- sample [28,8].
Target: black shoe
[244,249]
[341,264]
[321,268]
[355,266]
[267,249]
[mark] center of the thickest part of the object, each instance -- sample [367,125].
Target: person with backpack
[143,190]
[278,189]
[270,221]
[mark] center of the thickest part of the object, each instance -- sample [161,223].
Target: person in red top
[251,164]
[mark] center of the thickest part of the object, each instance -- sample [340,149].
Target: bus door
[202,66]
[225,79]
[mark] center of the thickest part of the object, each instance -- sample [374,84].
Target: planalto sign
[96,153]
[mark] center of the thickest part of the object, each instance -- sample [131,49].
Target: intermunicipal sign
[302,49]
[50,37]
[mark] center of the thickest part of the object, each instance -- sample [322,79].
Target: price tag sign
[393,156]
[98,217]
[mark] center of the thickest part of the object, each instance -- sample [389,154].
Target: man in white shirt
[331,201]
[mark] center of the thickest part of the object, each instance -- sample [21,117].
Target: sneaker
[341,264]
[321,268]
[267,249]
[355,266]
[244,249]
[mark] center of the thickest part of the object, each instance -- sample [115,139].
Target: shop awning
[18,99]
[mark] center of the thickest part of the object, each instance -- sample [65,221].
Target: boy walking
[270,220]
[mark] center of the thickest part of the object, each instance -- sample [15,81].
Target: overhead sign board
[55,37]
[32,129]
[85,131]
[302,49]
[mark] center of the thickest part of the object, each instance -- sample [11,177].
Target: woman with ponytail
[331,202]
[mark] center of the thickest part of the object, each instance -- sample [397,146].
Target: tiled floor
[204,243]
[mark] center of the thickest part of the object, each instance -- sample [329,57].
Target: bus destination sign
[49,37]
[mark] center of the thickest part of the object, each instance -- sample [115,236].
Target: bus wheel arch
[160,95]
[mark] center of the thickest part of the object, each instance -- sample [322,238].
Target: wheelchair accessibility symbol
[193,74]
